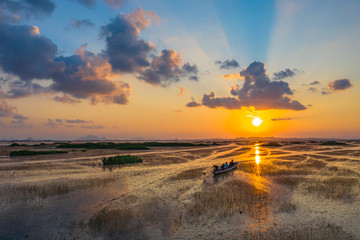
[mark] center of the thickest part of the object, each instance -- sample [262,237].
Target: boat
[227,169]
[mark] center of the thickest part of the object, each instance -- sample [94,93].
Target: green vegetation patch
[121,159]
[271,144]
[29,153]
[332,143]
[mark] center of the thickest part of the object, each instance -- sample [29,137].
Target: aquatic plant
[29,153]
[121,159]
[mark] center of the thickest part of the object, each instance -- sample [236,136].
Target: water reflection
[257,152]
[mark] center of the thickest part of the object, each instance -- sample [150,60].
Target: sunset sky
[160,69]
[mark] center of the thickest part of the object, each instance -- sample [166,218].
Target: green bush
[29,153]
[121,159]
[332,143]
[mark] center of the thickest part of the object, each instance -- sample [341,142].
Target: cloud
[314,83]
[312,89]
[228,64]
[93,127]
[231,76]
[193,103]
[166,69]
[340,84]
[19,117]
[191,69]
[6,110]
[258,91]
[211,101]
[280,119]
[115,3]
[25,53]
[284,74]
[77,23]
[125,51]
[65,99]
[26,8]
[69,123]
[182,90]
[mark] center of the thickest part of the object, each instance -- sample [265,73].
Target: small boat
[227,169]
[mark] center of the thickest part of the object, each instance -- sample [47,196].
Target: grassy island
[29,153]
[121,159]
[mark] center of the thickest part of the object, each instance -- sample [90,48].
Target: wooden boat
[227,169]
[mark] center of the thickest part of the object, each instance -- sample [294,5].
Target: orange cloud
[231,76]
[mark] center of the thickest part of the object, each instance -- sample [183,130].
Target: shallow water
[302,191]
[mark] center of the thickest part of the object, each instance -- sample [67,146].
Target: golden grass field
[292,191]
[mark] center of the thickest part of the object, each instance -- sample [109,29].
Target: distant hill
[91,138]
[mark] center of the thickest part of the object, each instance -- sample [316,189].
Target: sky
[159,69]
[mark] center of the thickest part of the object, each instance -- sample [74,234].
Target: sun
[256,121]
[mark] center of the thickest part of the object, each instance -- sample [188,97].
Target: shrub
[29,153]
[121,159]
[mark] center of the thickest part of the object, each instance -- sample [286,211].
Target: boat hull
[226,170]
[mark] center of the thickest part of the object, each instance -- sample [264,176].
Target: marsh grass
[321,231]
[236,152]
[133,223]
[225,199]
[188,174]
[30,153]
[312,164]
[290,181]
[121,159]
[271,169]
[29,191]
[337,188]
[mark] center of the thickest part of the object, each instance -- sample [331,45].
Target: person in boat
[222,167]
[226,165]
[216,168]
[232,163]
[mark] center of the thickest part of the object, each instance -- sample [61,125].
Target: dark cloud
[68,123]
[27,8]
[258,91]
[79,23]
[228,64]
[314,83]
[280,119]
[25,53]
[19,89]
[167,68]
[125,51]
[340,84]
[284,74]
[227,102]
[115,3]
[65,99]
[312,89]
[191,69]
[193,103]
[19,117]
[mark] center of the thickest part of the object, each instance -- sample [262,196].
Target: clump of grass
[290,181]
[225,199]
[30,153]
[270,169]
[312,163]
[332,143]
[338,188]
[112,221]
[121,159]
[188,174]
[271,144]
[28,191]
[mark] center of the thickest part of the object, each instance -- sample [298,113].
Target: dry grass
[271,169]
[28,191]
[134,223]
[225,199]
[338,188]
[290,181]
[236,152]
[312,164]
[188,174]
[322,231]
